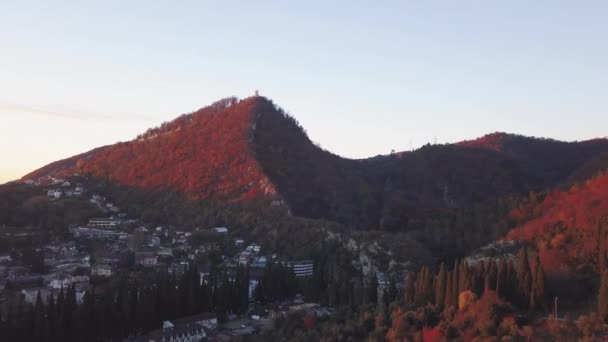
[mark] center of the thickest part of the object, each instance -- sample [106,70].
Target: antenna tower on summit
[257,93]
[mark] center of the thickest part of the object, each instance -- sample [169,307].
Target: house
[97,199]
[83,232]
[245,258]
[220,230]
[258,312]
[5,259]
[259,262]
[253,249]
[30,295]
[253,285]
[302,268]
[146,259]
[113,208]
[239,242]
[104,223]
[178,268]
[102,270]
[56,180]
[382,281]
[68,281]
[54,194]
[187,329]
[204,270]
[154,241]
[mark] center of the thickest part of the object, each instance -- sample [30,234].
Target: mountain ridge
[250,149]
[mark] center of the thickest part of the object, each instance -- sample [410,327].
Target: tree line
[517,281]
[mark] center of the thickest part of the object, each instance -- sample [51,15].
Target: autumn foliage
[205,154]
[563,226]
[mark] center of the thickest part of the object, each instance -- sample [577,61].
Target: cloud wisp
[10,108]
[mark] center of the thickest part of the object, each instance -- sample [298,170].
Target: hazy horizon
[361,80]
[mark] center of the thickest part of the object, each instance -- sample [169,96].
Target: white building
[54,194]
[220,230]
[187,329]
[102,271]
[68,281]
[302,268]
[146,259]
[104,223]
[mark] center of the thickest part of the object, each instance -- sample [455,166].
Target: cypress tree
[440,286]
[602,298]
[524,275]
[464,277]
[601,249]
[455,282]
[39,320]
[372,289]
[539,281]
[409,295]
[492,273]
[448,291]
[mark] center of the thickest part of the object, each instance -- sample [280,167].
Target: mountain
[551,161]
[238,151]
[205,155]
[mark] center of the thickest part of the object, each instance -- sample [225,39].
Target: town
[113,245]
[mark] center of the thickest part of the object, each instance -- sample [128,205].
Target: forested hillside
[564,225]
[250,149]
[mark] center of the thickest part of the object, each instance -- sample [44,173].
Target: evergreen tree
[40,328]
[372,290]
[602,239]
[539,281]
[501,277]
[448,297]
[524,275]
[464,277]
[602,298]
[455,283]
[409,290]
[440,286]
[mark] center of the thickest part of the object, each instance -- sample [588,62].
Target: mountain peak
[492,141]
[204,154]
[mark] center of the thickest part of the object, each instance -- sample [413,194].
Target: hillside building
[104,223]
[302,268]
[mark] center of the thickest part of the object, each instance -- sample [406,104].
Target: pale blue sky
[362,77]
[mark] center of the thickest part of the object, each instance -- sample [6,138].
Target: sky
[362,77]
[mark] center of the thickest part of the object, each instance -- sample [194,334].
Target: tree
[408,290]
[602,244]
[602,298]
[448,291]
[455,283]
[440,286]
[464,278]
[465,298]
[539,281]
[372,290]
[524,275]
